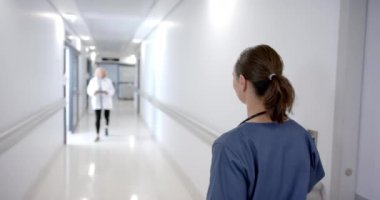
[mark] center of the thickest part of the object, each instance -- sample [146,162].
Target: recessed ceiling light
[92,47]
[70,17]
[93,56]
[85,38]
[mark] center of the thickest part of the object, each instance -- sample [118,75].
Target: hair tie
[271,76]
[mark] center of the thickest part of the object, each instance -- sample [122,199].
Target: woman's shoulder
[299,127]
[230,138]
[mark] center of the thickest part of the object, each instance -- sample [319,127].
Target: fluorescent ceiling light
[85,38]
[92,47]
[70,17]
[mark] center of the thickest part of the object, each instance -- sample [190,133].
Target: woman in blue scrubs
[268,156]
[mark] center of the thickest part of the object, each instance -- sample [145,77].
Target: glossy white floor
[126,165]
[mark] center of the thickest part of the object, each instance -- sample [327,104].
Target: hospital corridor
[126,165]
[189,100]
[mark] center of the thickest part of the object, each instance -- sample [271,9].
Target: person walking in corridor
[101,90]
[268,156]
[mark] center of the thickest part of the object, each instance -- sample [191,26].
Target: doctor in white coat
[100,89]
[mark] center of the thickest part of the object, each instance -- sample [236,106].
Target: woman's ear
[242,83]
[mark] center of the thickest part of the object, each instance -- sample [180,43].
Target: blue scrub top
[264,161]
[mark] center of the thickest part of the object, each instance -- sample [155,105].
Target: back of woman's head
[262,66]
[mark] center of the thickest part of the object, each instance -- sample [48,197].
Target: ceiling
[113,23]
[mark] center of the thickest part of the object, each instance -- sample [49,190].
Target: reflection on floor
[126,165]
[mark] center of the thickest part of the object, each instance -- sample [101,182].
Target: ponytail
[279,98]
[263,67]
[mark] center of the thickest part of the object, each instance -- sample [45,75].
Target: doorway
[123,78]
[72,88]
[126,82]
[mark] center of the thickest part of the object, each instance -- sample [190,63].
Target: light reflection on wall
[153,52]
[156,52]
[221,12]
[160,49]
[58,22]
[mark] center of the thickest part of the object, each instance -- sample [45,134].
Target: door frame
[64,96]
[89,76]
[138,83]
[350,65]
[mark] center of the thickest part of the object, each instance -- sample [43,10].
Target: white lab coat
[100,100]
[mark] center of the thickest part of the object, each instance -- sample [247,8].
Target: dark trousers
[98,114]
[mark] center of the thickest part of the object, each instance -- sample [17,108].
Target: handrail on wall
[203,132]
[17,132]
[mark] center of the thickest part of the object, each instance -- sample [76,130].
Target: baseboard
[191,188]
[43,173]
[358,197]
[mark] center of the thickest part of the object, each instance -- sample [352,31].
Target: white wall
[187,63]
[369,159]
[31,60]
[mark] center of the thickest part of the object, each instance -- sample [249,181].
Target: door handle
[348,172]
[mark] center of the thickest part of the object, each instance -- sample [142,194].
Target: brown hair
[263,67]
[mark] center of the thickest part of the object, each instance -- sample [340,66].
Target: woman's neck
[254,107]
